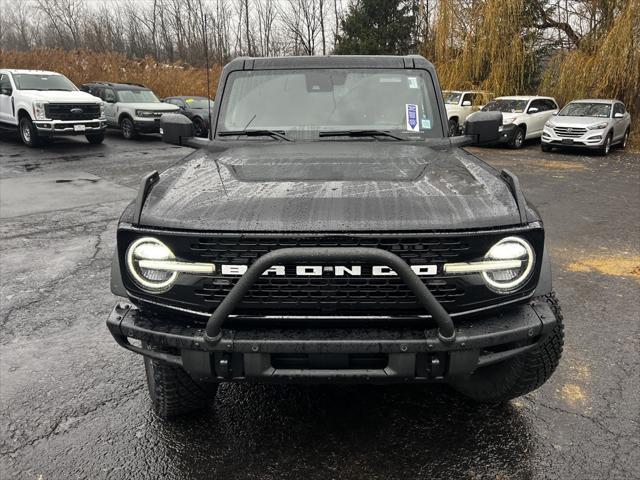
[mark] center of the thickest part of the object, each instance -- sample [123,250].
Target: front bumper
[147,125]
[591,139]
[506,133]
[371,355]
[70,127]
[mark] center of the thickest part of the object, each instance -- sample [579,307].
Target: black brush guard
[446,330]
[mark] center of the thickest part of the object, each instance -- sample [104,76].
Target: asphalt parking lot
[74,404]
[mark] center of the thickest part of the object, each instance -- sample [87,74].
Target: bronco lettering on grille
[335,270]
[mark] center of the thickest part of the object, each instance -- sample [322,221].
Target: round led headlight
[519,254]
[152,280]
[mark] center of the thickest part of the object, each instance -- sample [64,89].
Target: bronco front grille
[72,111]
[329,294]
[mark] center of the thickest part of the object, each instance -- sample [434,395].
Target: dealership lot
[74,405]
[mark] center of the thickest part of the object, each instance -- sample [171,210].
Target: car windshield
[31,81]
[452,98]
[581,109]
[331,100]
[198,103]
[137,96]
[505,106]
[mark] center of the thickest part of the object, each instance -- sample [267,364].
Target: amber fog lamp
[518,255]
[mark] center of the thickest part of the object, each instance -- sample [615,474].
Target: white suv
[42,104]
[133,108]
[460,104]
[523,117]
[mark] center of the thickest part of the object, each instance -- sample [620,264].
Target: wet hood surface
[329,186]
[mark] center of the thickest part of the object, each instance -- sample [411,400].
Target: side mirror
[466,103]
[484,127]
[6,91]
[532,110]
[176,128]
[618,115]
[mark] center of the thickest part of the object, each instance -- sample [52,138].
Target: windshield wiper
[255,133]
[360,133]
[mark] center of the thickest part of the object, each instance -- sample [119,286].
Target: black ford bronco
[331,231]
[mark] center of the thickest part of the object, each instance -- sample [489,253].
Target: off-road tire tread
[173,392]
[520,375]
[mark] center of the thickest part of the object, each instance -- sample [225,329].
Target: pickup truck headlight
[102,110]
[39,112]
[154,267]
[599,126]
[518,258]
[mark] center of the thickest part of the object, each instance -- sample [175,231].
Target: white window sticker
[425,123]
[412,118]
[413,82]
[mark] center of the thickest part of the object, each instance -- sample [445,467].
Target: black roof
[185,97]
[330,61]
[120,86]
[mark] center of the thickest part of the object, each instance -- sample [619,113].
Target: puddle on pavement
[617,265]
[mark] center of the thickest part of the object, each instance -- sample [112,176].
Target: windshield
[137,96]
[600,110]
[330,100]
[198,103]
[452,98]
[31,81]
[505,106]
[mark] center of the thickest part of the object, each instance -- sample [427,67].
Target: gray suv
[594,124]
[132,108]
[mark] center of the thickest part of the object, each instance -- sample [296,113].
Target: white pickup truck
[42,104]
[461,104]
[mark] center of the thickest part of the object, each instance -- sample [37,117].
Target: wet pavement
[74,405]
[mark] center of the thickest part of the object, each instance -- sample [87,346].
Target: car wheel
[606,147]
[545,148]
[200,129]
[173,392]
[518,138]
[127,128]
[28,132]
[95,138]
[454,129]
[625,140]
[519,375]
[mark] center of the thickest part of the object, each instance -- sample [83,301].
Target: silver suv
[133,108]
[594,124]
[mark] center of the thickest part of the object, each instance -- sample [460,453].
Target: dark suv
[331,231]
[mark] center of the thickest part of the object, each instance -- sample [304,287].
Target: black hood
[330,186]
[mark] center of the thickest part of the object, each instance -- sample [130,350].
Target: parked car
[594,124]
[197,109]
[460,104]
[131,107]
[41,105]
[523,117]
[372,249]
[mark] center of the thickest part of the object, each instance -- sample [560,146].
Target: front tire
[95,138]
[128,129]
[28,132]
[606,147]
[173,392]
[520,375]
[625,140]
[517,141]
[200,129]
[454,127]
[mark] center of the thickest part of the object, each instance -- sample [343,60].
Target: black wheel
[454,128]
[28,132]
[520,375]
[95,138]
[200,129]
[173,392]
[127,128]
[625,140]
[518,138]
[606,146]
[545,148]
